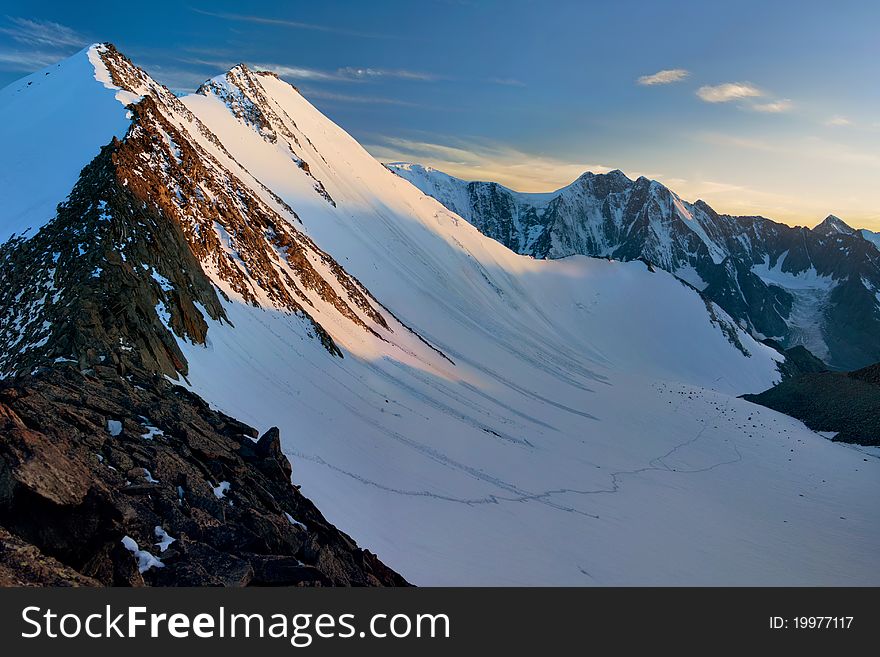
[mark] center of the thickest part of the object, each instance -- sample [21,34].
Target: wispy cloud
[744,91]
[297,72]
[320,94]
[802,148]
[733,198]
[358,73]
[344,74]
[507,82]
[721,139]
[774,107]
[37,43]
[838,121]
[16,60]
[42,33]
[298,25]
[481,160]
[305,74]
[178,79]
[666,76]
[723,93]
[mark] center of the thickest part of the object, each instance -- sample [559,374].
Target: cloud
[15,60]
[359,73]
[180,80]
[720,139]
[306,74]
[344,74]
[348,98]
[838,121]
[42,33]
[507,82]
[297,72]
[802,148]
[774,107]
[481,160]
[298,25]
[666,76]
[41,43]
[723,93]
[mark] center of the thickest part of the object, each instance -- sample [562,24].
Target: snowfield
[561,422]
[55,122]
[588,433]
[546,473]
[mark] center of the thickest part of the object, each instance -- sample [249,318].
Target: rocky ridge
[102,459]
[155,233]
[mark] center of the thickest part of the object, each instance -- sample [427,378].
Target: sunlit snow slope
[588,432]
[568,422]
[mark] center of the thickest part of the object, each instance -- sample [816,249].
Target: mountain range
[195,289]
[818,288]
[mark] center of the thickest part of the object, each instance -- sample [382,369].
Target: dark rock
[798,360]
[22,564]
[70,492]
[269,449]
[275,571]
[870,374]
[848,403]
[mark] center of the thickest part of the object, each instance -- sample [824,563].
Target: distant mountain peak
[754,268]
[617,173]
[834,224]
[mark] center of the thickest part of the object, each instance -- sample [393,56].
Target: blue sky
[757,107]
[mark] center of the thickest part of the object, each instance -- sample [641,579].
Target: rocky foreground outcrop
[133,481]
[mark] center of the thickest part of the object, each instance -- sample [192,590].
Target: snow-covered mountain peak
[163,176]
[240,77]
[69,109]
[252,98]
[116,71]
[834,225]
[725,256]
[617,174]
[415,168]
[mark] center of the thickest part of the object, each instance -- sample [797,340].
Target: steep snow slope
[588,430]
[871,237]
[54,123]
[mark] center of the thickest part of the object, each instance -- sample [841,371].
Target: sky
[768,108]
